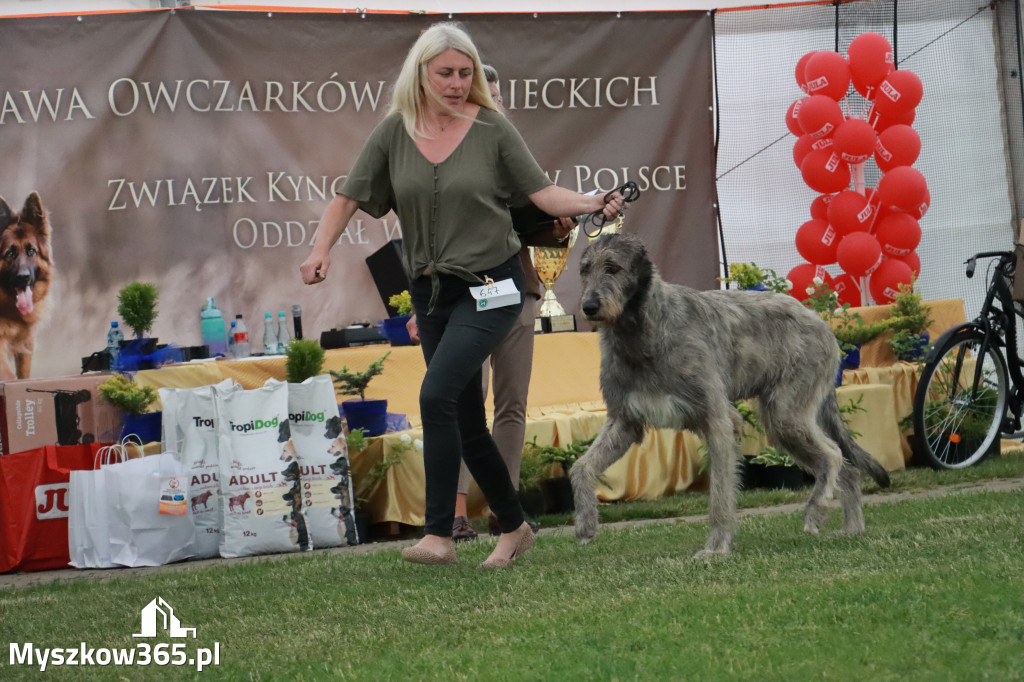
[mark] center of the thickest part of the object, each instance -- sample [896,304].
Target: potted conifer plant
[910,319]
[361,413]
[137,307]
[133,401]
[304,358]
[394,328]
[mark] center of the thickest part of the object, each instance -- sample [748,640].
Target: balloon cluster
[871,233]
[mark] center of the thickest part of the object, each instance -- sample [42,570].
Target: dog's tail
[832,421]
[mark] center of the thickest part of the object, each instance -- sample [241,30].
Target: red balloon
[847,290]
[849,212]
[801,65]
[859,254]
[819,116]
[885,282]
[903,188]
[871,59]
[792,124]
[819,207]
[899,234]
[898,145]
[802,277]
[816,241]
[825,172]
[922,208]
[855,140]
[899,93]
[827,73]
[881,123]
[911,259]
[805,144]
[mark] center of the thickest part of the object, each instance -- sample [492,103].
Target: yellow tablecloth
[565,403]
[945,313]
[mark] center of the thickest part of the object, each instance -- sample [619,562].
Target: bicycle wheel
[960,402]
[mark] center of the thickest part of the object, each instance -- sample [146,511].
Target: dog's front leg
[722,453]
[610,444]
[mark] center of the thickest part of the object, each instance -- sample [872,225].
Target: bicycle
[964,403]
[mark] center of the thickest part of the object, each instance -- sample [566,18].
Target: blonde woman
[448,162]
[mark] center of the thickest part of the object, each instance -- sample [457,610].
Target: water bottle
[269,334]
[213,331]
[241,338]
[283,337]
[114,339]
[231,340]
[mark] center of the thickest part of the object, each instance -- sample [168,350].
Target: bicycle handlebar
[1006,257]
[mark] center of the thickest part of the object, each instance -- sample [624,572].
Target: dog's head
[25,249]
[614,269]
[332,428]
[284,430]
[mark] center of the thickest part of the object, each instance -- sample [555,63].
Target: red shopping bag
[34,505]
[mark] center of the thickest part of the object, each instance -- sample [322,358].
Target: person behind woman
[511,362]
[447,162]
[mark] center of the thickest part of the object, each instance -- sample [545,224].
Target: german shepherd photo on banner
[25,274]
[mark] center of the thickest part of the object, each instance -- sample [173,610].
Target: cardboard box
[55,411]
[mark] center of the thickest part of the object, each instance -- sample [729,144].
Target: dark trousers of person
[456,339]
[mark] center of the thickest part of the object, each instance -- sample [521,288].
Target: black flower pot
[557,495]
[777,476]
[532,502]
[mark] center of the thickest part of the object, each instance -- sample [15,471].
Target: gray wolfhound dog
[673,357]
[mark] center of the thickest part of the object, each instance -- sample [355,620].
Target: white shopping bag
[140,491]
[89,511]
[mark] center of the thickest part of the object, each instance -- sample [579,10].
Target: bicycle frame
[997,317]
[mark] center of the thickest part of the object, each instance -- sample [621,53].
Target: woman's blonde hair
[410,93]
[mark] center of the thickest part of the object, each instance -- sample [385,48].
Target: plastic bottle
[269,334]
[283,337]
[114,338]
[241,338]
[213,330]
[231,340]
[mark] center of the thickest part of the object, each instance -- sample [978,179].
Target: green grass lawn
[931,592]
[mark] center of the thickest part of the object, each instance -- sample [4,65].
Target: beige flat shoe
[418,555]
[526,541]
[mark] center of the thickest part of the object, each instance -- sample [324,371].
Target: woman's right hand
[314,269]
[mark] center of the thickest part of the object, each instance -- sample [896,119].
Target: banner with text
[197,150]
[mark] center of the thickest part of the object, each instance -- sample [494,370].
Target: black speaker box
[388,272]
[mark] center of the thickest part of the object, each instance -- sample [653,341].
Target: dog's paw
[709,553]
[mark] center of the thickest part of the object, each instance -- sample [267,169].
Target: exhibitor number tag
[493,294]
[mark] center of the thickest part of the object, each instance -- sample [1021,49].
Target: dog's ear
[33,213]
[643,268]
[6,215]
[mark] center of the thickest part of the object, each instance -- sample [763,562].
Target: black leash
[629,191]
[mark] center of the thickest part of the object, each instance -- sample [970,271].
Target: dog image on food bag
[26,270]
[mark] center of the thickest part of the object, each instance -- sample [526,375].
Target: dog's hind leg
[849,497]
[609,446]
[795,430]
[722,454]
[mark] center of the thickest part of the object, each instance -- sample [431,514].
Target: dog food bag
[193,427]
[170,437]
[259,474]
[323,462]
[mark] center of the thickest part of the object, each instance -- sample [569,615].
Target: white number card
[493,294]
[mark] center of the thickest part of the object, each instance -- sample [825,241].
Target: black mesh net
[967,56]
